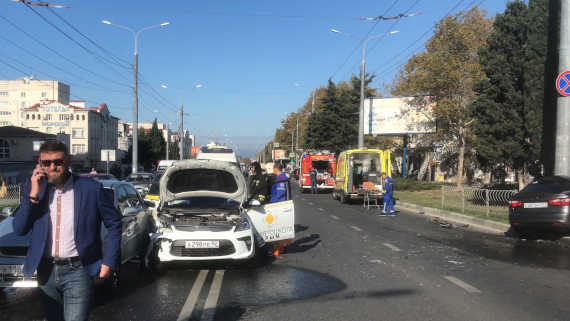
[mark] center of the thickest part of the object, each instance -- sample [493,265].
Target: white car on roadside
[202,215]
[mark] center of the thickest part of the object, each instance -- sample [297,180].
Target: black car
[541,210]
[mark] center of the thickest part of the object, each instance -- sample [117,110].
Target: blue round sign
[563,83]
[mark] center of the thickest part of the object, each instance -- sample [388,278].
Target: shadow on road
[302,244]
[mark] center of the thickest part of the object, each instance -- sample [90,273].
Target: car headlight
[243,225]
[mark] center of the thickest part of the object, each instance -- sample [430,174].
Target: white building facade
[17,95]
[90,129]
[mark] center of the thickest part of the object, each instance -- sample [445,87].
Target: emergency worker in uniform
[257,183]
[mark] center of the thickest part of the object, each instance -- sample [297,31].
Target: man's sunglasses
[56,162]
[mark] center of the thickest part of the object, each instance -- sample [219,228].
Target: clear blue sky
[257,60]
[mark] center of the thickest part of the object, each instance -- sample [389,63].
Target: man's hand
[105,271]
[37,176]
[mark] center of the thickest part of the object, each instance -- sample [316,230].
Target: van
[220,153]
[355,167]
[164,164]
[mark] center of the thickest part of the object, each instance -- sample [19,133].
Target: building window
[33,117]
[77,133]
[4,123]
[4,149]
[44,94]
[64,116]
[5,113]
[76,117]
[28,116]
[3,94]
[4,103]
[47,117]
[82,117]
[23,94]
[78,149]
[39,116]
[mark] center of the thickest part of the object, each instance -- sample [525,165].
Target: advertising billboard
[396,116]
[279,154]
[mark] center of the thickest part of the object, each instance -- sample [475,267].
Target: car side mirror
[130,211]
[7,211]
[254,203]
[149,204]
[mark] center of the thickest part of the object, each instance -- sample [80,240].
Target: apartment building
[17,95]
[90,129]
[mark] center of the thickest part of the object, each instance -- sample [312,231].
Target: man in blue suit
[63,213]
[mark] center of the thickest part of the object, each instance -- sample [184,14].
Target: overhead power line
[89,51]
[360,43]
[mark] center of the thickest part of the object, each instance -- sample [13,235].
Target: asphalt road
[348,263]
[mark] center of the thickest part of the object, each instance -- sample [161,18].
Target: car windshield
[139,178]
[202,202]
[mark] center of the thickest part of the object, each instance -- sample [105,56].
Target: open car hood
[203,178]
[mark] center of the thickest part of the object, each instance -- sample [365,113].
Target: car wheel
[342,198]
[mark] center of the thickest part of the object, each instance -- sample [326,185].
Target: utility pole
[297,144]
[181,133]
[136,111]
[167,140]
[562,154]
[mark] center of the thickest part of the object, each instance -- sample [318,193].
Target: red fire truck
[324,163]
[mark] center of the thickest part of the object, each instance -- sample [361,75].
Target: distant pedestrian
[63,214]
[280,190]
[388,203]
[313,174]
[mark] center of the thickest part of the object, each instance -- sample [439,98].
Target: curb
[480,223]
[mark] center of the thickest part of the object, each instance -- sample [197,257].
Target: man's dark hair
[53,146]
[278,166]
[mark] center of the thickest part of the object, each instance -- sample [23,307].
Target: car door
[274,221]
[139,221]
[128,222]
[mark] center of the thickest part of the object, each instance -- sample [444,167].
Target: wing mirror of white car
[7,211]
[254,203]
[130,211]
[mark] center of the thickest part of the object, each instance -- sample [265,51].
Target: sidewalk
[487,225]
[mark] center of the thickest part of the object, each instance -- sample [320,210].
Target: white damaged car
[201,215]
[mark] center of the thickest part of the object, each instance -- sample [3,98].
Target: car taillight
[515,203]
[559,202]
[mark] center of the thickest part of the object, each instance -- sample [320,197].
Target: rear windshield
[555,188]
[139,178]
[200,179]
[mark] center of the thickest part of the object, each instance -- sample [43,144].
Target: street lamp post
[362,78]
[181,131]
[135,86]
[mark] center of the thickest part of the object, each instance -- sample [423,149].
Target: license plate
[15,269]
[536,205]
[202,244]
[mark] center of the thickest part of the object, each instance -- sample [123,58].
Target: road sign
[563,83]
[292,155]
[108,155]
[275,145]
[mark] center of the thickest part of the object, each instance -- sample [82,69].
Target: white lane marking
[193,296]
[356,228]
[213,296]
[303,199]
[335,217]
[467,287]
[391,247]
[321,209]
[311,203]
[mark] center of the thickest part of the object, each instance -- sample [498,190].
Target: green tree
[508,109]
[446,72]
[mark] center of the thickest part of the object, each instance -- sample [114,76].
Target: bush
[410,184]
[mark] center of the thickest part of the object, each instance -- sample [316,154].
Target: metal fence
[476,201]
[10,196]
